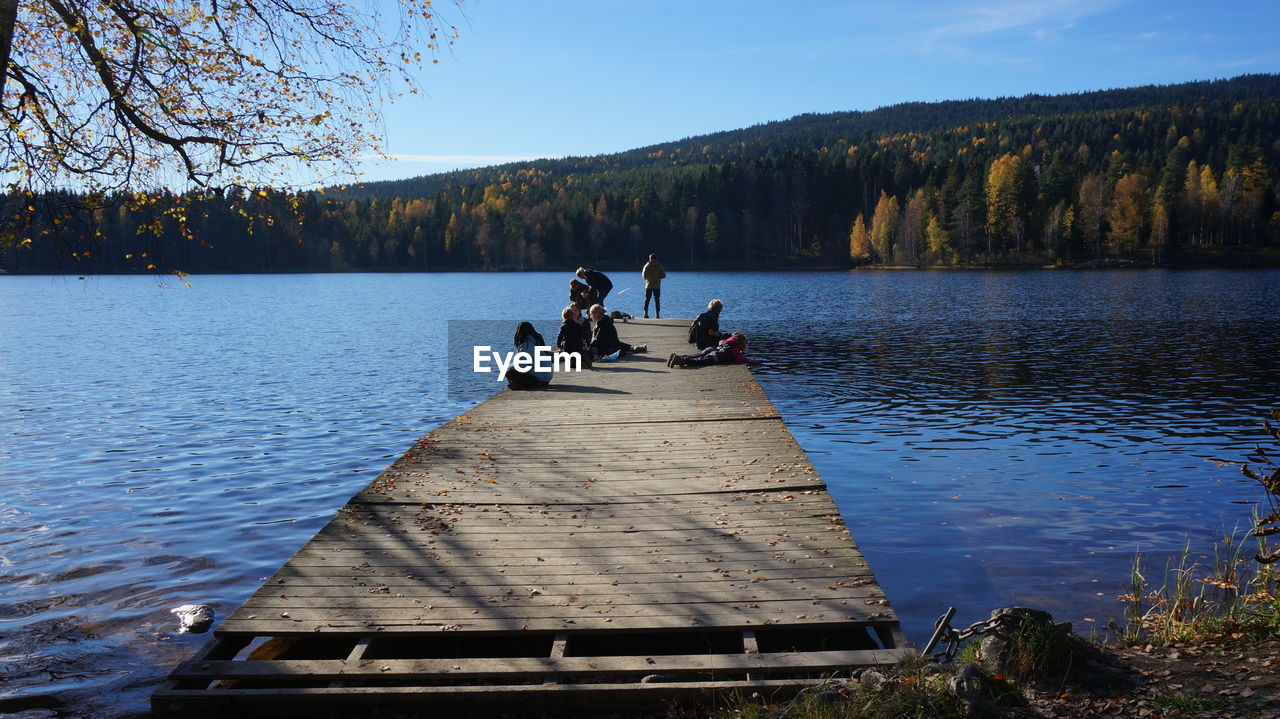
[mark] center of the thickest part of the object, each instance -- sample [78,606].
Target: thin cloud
[460,159]
[988,19]
[1243,63]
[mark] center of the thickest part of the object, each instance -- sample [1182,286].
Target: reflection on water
[996,438]
[991,437]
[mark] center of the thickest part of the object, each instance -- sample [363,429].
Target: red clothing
[734,348]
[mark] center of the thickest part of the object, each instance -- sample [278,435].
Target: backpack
[695,330]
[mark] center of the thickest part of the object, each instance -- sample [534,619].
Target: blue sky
[550,78]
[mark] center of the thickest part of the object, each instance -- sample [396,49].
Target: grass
[1236,596]
[915,689]
[1040,650]
[1227,598]
[1169,701]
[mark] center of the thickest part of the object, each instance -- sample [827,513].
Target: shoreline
[607,268]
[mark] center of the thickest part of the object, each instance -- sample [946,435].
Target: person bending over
[527,341]
[604,336]
[731,350]
[582,296]
[597,280]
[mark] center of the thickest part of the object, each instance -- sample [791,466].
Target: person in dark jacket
[574,338]
[604,335]
[706,328]
[583,296]
[527,340]
[598,282]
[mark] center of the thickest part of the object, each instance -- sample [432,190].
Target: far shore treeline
[1170,175]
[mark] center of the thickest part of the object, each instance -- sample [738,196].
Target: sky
[554,78]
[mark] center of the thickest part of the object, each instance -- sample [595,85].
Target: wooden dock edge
[725,632]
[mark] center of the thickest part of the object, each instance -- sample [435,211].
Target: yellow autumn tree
[1127,215]
[1159,230]
[883,224]
[133,95]
[938,242]
[1003,204]
[1209,201]
[859,241]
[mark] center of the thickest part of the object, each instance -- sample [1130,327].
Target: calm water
[992,438]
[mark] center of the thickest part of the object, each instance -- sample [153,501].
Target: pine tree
[711,236]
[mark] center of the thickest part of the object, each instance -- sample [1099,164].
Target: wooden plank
[849,617]
[681,504]
[317,562]
[618,691]
[715,538]
[502,575]
[336,557]
[698,605]
[357,653]
[380,524]
[419,575]
[688,499]
[514,668]
[716,505]
[533,597]
[422,523]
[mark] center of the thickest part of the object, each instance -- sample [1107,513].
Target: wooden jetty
[630,536]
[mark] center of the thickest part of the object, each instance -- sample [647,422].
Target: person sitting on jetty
[597,280]
[731,350]
[582,296]
[604,337]
[574,338]
[705,330]
[579,317]
[527,341]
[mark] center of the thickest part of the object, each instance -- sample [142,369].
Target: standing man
[596,280]
[653,273]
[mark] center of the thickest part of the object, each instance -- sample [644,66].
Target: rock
[1023,638]
[872,679]
[931,669]
[194,618]
[967,686]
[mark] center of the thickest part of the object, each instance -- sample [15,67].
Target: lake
[991,437]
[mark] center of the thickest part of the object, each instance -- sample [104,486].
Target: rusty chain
[952,638]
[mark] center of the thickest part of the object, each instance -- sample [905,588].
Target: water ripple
[991,437]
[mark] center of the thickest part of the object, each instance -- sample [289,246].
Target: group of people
[593,337]
[588,331]
[714,346]
[591,287]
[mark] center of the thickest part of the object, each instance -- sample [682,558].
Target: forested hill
[1182,174]
[810,132]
